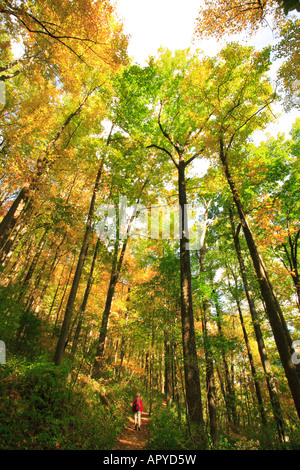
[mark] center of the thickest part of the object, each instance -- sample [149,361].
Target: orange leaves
[66,40]
[271,223]
[231,16]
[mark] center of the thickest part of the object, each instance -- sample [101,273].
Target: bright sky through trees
[166,23]
[170,24]
[148,240]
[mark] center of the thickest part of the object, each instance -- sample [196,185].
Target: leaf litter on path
[131,439]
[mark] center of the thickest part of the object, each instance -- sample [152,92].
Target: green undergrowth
[44,407]
[166,430]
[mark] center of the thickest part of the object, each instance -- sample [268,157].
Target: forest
[149,241]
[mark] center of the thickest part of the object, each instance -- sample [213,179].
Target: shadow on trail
[130,439]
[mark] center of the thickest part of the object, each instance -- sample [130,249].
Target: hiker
[137,408]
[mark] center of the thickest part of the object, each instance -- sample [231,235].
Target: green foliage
[28,333]
[289,5]
[180,104]
[42,409]
[10,314]
[167,431]
[20,328]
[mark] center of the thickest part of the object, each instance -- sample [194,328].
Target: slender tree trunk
[210,377]
[176,389]
[267,291]
[55,294]
[23,201]
[191,369]
[253,368]
[84,301]
[72,296]
[292,256]
[151,369]
[33,265]
[96,372]
[168,367]
[12,235]
[46,281]
[228,389]
[124,335]
[64,294]
[114,277]
[271,385]
[10,219]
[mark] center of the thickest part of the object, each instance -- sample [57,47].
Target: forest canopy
[148,239]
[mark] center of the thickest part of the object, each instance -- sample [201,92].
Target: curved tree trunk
[267,292]
[271,385]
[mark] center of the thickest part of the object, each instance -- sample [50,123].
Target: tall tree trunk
[72,296]
[10,219]
[84,301]
[228,389]
[12,237]
[114,277]
[53,265]
[274,314]
[210,378]
[23,201]
[33,264]
[98,364]
[55,294]
[252,366]
[191,369]
[168,367]
[151,368]
[271,385]
[292,257]
[124,334]
[66,286]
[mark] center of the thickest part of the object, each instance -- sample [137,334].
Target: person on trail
[137,408]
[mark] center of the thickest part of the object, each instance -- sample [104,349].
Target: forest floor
[130,439]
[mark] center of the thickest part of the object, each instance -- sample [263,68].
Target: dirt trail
[130,439]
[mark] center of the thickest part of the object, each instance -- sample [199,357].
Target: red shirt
[139,402]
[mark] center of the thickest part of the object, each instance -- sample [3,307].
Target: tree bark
[23,201]
[210,376]
[252,366]
[292,256]
[191,369]
[168,353]
[72,296]
[84,301]
[228,390]
[115,272]
[114,277]
[271,385]
[267,291]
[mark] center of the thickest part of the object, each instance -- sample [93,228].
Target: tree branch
[194,156]
[163,150]
[162,129]
[246,122]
